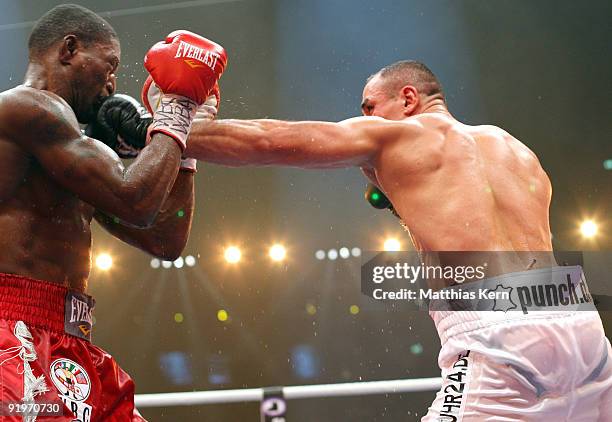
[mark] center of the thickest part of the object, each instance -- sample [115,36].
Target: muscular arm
[167,236]
[352,142]
[45,126]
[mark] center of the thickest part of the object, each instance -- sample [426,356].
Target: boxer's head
[400,90]
[79,53]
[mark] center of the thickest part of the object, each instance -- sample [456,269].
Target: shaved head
[408,72]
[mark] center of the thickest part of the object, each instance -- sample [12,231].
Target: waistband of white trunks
[450,323]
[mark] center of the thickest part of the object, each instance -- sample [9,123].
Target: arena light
[332,254]
[190,261]
[588,229]
[166,264]
[277,252]
[104,261]
[392,245]
[179,262]
[344,253]
[232,254]
[320,254]
[155,263]
[356,252]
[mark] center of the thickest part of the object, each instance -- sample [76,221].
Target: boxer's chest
[50,202]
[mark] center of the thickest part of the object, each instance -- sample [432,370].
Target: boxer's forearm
[274,142]
[168,235]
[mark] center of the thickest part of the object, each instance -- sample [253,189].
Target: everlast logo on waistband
[80,311]
[186,50]
[78,319]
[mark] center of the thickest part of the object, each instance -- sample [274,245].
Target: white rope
[194,398]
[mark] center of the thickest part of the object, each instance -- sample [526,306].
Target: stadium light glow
[392,245]
[190,261]
[179,262]
[332,254]
[588,229]
[104,261]
[232,254]
[277,252]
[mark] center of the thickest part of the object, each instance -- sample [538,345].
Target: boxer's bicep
[80,164]
[306,144]
[320,145]
[353,142]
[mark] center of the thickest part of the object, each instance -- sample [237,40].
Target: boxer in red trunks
[54,180]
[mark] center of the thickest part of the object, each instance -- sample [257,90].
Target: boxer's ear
[411,99]
[68,48]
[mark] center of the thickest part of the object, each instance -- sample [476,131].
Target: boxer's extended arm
[46,127]
[352,142]
[167,236]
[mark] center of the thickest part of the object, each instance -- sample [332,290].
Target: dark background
[541,70]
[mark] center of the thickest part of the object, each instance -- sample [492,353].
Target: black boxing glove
[121,123]
[378,199]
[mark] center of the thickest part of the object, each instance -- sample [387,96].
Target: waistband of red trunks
[37,303]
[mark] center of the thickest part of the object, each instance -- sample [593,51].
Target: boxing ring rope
[194,398]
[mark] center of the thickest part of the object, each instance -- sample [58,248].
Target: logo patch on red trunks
[73,385]
[78,315]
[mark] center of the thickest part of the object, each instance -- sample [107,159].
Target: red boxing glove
[185,68]
[186,64]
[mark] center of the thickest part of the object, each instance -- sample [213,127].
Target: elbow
[164,255]
[167,251]
[167,248]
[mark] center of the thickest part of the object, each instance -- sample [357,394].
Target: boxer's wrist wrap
[173,117]
[189,165]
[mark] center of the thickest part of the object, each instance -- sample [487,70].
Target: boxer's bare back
[456,187]
[465,188]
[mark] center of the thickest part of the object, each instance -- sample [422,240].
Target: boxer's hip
[546,358]
[46,305]
[555,338]
[46,357]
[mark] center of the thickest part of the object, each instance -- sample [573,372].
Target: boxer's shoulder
[28,100]
[384,129]
[25,111]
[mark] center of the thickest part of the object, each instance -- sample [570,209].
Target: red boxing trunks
[49,370]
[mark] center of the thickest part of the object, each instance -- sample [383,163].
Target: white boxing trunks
[551,364]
